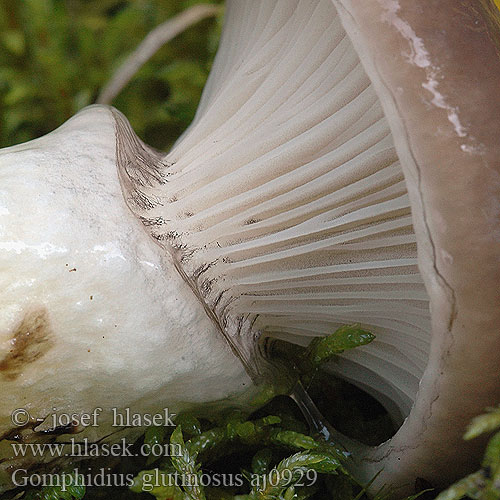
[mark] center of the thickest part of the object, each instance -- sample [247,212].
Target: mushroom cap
[328,157]
[436,69]
[285,203]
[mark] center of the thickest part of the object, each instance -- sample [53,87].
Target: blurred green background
[56,55]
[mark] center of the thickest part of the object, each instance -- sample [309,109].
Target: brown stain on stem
[30,341]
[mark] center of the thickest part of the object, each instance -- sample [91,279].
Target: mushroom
[343,166]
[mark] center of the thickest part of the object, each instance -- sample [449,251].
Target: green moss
[55,57]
